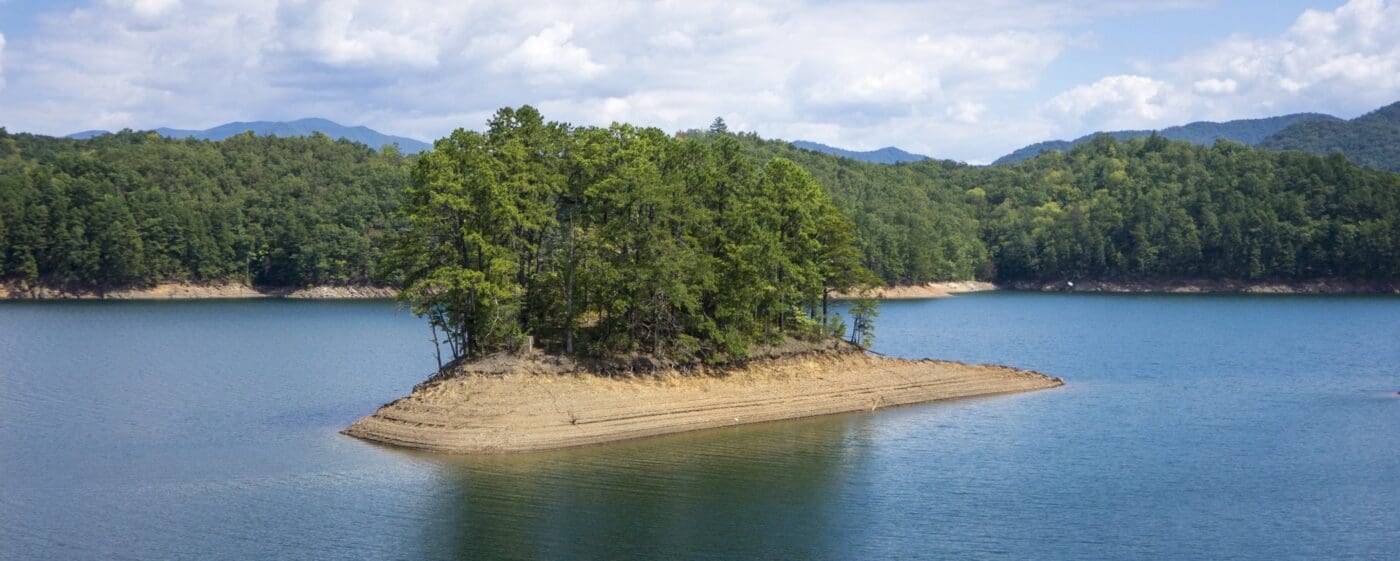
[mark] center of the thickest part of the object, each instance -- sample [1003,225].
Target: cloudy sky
[962,80]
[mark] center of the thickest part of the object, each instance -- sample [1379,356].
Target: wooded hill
[135,208]
[615,241]
[1371,140]
[1243,131]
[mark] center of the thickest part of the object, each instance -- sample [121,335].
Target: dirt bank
[187,291]
[542,403]
[922,291]
[1214,286]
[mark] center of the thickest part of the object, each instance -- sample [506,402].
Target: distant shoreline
[193,291]
[1184,286]
[504,403]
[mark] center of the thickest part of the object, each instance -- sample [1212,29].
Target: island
[584,285]
[524,403]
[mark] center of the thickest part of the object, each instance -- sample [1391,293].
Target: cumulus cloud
[1116,102]
[1216,86]
[550,57]
[952,79]
[1345,60]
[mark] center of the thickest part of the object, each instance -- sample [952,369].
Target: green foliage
[863,314]
[1147,208]
[1371,140]
[1153,209]
[620,231]
[134,208]
[1245,131]
[615,241]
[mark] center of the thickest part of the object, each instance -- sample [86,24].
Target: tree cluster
[1141,209]
[134,208]
[616,241]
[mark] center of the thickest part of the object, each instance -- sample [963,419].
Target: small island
[585,285]
[509,403]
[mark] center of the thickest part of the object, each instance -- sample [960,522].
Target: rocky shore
[517,404]
[1325,286]
[189,291]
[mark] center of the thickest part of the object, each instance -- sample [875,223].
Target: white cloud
[951,79]
[1216,86]
[966,111]
[1347,58]
[1345,61]
[1115,102]
[550,57]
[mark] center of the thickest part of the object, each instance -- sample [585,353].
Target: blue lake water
[1192,427]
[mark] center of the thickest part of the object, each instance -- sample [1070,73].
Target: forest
[616,241]
[1140,209]
[133,208]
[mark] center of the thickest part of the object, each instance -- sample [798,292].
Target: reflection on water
[762,492]
[1193,427]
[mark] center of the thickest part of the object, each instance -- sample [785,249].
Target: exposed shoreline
[1181,286]
[544,403]
[923,291]
[1209,286]
[191,291]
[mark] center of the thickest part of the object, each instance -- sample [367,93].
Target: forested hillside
[618,240]
[136,208]
[1146,208]
[886,155]
[1371,140]
[300,127]
[1244,131]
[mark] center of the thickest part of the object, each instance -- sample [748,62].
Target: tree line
[616,241]
[133,208]
[1140,209]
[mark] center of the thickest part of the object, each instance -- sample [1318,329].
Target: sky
[961,80]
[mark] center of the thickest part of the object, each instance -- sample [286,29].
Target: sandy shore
[1210,286]
[188,291]
[539,405]
[922,291]
[1185,286]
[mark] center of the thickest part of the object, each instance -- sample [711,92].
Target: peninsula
[505,403]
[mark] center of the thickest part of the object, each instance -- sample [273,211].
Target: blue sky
[968,81]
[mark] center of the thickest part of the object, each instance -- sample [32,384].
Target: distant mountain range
[1371,140]
[299,127]
[886,155]
[1245,131]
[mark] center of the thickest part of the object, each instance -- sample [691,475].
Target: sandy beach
[194,291]
[540,403]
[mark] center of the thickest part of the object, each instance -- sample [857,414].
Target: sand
[922,291]
[192,291]
[542,404]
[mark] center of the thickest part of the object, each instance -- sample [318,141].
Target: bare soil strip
[192,291]
[534,407]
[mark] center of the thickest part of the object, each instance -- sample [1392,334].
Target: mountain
[1245,131]
[300,127]
[1371,140]
[886,155]
[84,135]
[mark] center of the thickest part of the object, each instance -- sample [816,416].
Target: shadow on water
[759,492]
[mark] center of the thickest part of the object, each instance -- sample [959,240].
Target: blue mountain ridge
[886,155]
[299,127]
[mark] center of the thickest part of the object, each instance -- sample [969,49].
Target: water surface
[1193,427]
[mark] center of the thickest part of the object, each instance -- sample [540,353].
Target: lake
[1192,427]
